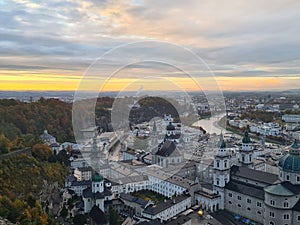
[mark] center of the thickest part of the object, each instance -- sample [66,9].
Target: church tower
[221,174]
[246,151]
[170,130]
[97,183]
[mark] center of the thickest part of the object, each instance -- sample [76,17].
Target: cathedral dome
[291,161]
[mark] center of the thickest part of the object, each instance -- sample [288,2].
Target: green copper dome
[97,178]
[246,138]
[290,163]
[279,190]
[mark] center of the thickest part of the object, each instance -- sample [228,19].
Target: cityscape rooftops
[169,177]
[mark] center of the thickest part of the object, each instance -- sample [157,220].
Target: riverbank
[239,132]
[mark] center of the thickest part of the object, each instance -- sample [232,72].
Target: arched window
[272,202]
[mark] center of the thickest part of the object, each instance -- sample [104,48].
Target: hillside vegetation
[21,182]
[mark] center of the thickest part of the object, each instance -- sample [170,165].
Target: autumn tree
[41,152]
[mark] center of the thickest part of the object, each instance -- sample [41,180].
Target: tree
[52,159]
[64,212]
[79,219]
[5,144]
[114,218]
[41,152]
[63,157]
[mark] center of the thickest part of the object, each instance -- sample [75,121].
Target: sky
[245,45]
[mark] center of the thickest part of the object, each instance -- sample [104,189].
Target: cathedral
[257,195]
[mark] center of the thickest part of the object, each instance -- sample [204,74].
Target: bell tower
[246,151]
[221,174]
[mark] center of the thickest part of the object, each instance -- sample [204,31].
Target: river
[211,124]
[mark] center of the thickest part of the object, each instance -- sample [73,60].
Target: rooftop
[290,163]
[136,200]
[168,148]
[169,177]
[180,220]
[246,189]
[255,175]
[279,190]
[98,216]
[153,210]
[97,178]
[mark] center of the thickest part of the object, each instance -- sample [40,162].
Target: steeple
[222,143]
[246,138]
[222,152]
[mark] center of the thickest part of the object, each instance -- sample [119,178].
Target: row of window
[272,214]
[285,204]
[248,209]
[272,202]
[225,164]
[288,177]
[285,216]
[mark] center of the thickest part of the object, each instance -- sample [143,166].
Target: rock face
[5,222]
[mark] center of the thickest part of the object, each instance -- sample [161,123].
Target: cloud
[235,38]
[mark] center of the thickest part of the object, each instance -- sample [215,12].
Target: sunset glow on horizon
[116,84]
